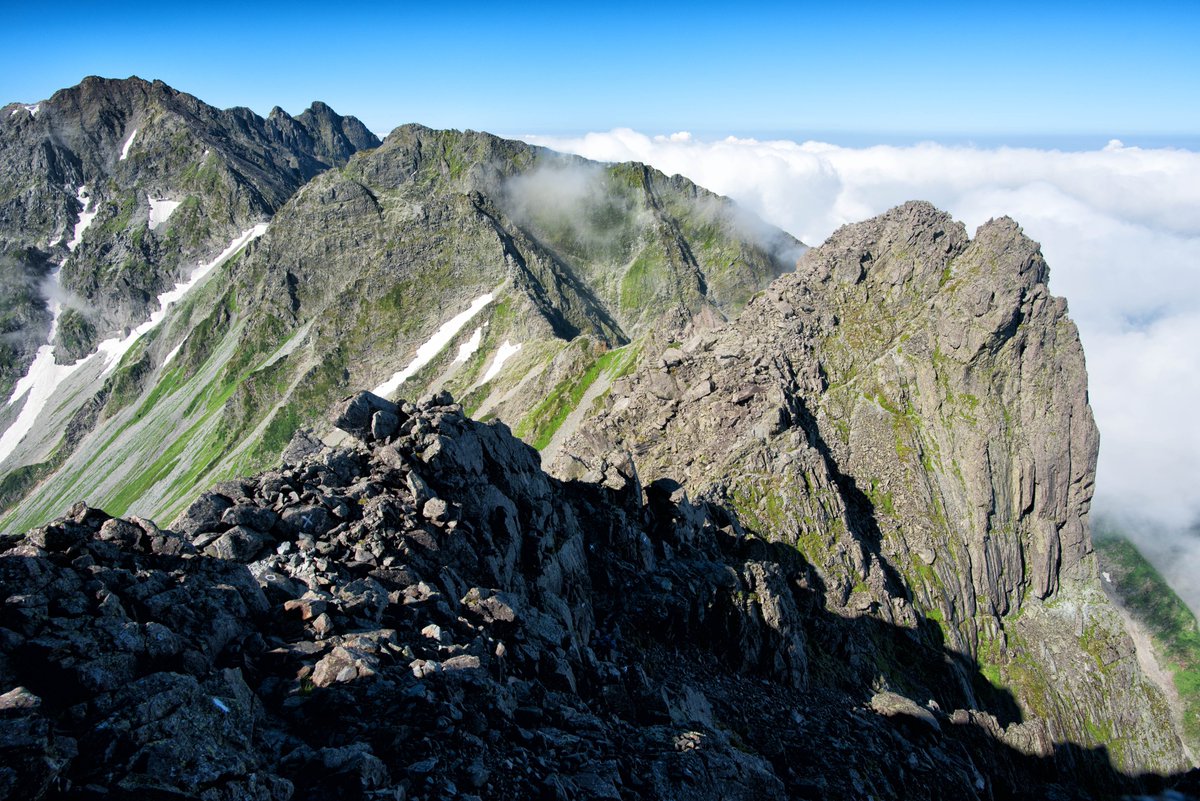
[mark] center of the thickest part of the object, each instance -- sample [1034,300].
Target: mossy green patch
[114,217]
[189,227]
[1172,626]
[1017,672]
[543,421]
[16,483]
[168,384]
[945,276]
[992,674]
[640,283]
[280,430]
[883,502]
[76,333]
[776,508]
[308,397]
[127,381]
[138,483]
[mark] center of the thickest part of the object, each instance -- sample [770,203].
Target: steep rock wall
[909,410]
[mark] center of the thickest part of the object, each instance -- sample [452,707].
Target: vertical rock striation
[423,612]
[909,410]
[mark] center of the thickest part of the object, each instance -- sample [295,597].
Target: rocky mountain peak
[908,410]
[906,248]
[168,179]
[94,90]
[797,519]
[423,610]
[339,137]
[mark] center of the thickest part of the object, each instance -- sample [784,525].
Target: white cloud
[1120,228]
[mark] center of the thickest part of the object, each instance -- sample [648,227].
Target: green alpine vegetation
[358,270]
[864,469]
[1173,629]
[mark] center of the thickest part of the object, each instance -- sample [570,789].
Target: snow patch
[45,376]
[85,218]
[470,346]
[1107,577]
[440,339]
[33,110]
[128,144]
[161,211]
[170,356]
[113,349]
[505,352]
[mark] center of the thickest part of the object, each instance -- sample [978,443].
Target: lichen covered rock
[909,410]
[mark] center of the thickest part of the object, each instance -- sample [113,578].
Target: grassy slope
[248,405]
[1172,626]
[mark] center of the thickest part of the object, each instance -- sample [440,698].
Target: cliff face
[424,612]
[865,483]
[909,410]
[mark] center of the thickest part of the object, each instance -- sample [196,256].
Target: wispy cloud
[1119,226]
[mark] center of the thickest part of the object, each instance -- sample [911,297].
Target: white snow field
[505,352]
[161,211]
[468,348]
[39,383]
[170,357]
[85,218]
[128,144]
[440,339]
[45,376]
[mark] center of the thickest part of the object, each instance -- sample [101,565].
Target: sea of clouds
[1119,227]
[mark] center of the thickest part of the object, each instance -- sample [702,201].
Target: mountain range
[785,522]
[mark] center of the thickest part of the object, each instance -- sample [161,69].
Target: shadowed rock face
[909,409]
[425,613]
[859,564]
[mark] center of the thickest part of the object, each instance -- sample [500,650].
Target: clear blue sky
[924,68]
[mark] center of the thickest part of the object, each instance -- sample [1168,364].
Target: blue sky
[882,70]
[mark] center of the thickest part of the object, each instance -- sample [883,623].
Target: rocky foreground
[425,614]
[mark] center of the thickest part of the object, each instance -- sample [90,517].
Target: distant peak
[321,111]
[97,81]
[1003,224]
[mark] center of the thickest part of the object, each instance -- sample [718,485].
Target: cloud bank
[1120,229]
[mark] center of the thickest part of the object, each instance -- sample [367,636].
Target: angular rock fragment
[355,415]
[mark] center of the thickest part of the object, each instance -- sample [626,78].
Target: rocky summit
[424,613]
[715,515]
[909,410]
